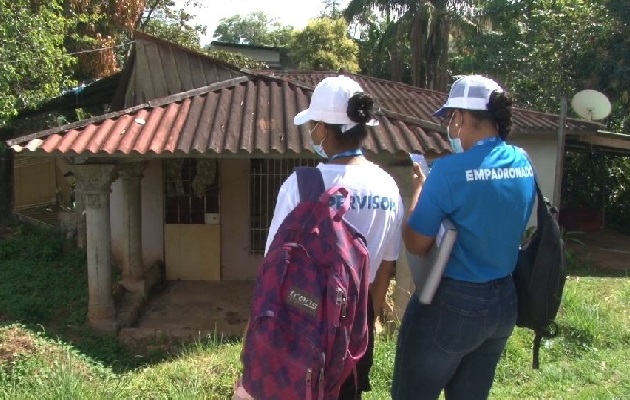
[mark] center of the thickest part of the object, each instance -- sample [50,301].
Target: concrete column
[79,207]
[93,183]
[132,262]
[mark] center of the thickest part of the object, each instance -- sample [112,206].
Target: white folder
[427,269]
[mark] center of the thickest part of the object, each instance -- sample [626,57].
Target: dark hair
[500,108]
[360,110]
[499,111]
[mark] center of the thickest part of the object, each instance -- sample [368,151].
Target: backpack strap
[536,350]
[312,188]
[310,183]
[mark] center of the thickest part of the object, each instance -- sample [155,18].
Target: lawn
[46,351]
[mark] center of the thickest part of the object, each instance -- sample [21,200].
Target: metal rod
[560,153]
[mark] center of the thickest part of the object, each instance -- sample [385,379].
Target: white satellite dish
[591,105]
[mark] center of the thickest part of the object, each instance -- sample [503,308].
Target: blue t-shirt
[488,192]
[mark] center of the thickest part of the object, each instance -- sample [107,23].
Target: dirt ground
[606,249]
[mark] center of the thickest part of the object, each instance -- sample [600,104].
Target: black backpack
[539,277]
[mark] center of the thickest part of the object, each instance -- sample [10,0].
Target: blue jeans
[455,342]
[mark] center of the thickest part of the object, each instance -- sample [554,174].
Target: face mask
[317,148]
[456,143]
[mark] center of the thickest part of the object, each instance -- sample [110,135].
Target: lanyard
[347,153]
[487,140]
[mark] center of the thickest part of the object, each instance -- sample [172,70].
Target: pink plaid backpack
[308,323]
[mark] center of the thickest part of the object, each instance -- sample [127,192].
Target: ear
[455,116]
[460,118]
[320,133]
[324,130]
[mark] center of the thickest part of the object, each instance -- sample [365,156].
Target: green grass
[47,352]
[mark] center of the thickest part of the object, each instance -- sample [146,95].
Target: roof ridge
[583,121]
[367,77]
[185,49]
[259,74]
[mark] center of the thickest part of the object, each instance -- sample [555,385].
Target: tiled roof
[421,103]
[246,115]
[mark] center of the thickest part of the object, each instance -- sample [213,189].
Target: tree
[427,25]
[33,66]
[383,52]
[540,49]
[48,46]
[255,28]
[163,20]
[324,45]
[544,49]
[332,9]
[613,62]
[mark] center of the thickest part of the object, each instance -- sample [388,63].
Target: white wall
[543,152]
[152,216]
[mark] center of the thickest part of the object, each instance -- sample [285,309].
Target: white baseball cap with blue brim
[470,92]
[329,103]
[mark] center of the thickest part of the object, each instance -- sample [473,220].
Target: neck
[346,155]
[486,135]
[481,135]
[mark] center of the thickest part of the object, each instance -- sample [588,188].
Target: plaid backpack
[308,323]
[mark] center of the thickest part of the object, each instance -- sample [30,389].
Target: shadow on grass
[585,269]
[43,285]
[577,341]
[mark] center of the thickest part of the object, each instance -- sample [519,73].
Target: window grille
[191,190]
[265,178]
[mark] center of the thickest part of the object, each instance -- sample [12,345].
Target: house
[274,57]
[183,173]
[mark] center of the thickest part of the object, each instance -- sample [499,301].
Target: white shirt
[376,208]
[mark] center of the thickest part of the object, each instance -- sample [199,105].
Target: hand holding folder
[427,269]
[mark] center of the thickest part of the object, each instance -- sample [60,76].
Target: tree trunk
[441,72]
[6,185]
[395,63]
[419,59]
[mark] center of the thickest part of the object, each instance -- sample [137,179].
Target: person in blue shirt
[487,190]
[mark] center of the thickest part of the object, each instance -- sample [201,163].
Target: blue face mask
[317,148]
[456,143]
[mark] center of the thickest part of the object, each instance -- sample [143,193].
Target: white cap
[329,103]
[471,92]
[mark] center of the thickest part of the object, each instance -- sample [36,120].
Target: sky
[288,12]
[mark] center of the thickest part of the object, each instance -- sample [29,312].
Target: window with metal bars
[191,190]
[265,178]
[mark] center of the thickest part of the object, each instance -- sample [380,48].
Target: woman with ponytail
[338,118]
[487,190]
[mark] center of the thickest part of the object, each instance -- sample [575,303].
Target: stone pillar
[133,270]
[404,281]
[93,184]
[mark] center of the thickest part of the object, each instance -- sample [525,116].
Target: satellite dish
[591,105]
